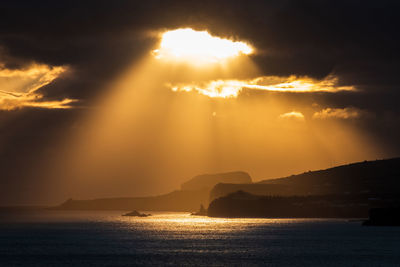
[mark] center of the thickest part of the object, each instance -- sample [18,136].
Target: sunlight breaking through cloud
[19,87]
[198,47]
[232,88]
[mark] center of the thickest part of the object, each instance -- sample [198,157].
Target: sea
[93,238]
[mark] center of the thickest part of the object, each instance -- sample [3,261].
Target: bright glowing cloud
[218,88]
[198,47]
[341,113]
[19,87]
[232,88]
[29,79]
[294,115]
[11,103]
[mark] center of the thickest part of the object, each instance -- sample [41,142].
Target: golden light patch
[29,79]
[232,88]
[198,47]
[218,88]
[19,87]
[341,113]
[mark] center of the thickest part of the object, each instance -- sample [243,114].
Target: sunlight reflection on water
[185,222]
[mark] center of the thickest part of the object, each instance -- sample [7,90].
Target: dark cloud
[353,38]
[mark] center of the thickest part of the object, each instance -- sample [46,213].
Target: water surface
[70,238]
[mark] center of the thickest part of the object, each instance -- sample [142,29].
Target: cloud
[294,115]
[291,38]
[341,113]
[11,102]
[290,84]
[198,47]
[19,87]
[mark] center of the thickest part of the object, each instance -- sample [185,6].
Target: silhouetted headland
[380,176]
[383,217]
[243,204]
[347,191]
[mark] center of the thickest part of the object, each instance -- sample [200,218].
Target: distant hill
[374,177]
[175,201]
[380,176]
[194,193]
[207,181]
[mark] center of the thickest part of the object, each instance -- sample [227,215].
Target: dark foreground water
[51,238]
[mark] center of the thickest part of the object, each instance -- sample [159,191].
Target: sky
[92,106]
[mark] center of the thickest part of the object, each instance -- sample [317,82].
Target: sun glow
[198,47]
[137,124]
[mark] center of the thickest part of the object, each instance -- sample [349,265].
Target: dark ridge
[374,177]
[245,205]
